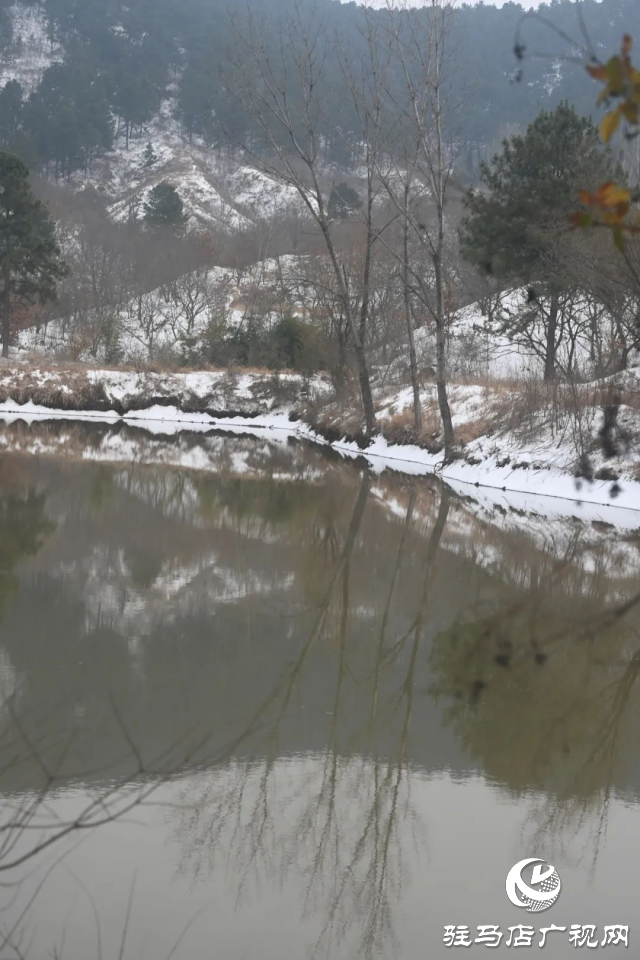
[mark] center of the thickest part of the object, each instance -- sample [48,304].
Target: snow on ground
[477,348]
[32,52]
[527,490]
[159,396]
[496,354]
[162,317]
[269,289]
[217,189]
[537,491]
[525,458]
[203,202]
[258,193]
[554,428]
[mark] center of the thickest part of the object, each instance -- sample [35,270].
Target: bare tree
[189,301]
[95,293]
[145,316]
[416,165]
[408,310]
[611,286]
[284,100]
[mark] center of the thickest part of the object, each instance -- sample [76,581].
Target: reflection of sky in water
[302,855]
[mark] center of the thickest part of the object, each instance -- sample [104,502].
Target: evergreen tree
[343,201]
[164,208]
[132,49]
[140,82]
[10,112]
[196,98]
[128,51]
[529,192]
[24,527]
[150,156]
[30,261]
[529,189]
[54,13]
[6,27]
[68,119]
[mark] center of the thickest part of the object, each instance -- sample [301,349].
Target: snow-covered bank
[519,442]
[115,392]
[546,492]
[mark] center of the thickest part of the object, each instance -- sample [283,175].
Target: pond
[259,702]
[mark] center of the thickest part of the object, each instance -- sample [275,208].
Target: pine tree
[30,260]
[195,99]
[164,208]
[511,226]
[150,156]
[10,111]
[24,527]
[6,28]
[343,201]
[530,189]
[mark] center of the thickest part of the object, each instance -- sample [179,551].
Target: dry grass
[526,408]
[401,429]
[474,429]
[73,391]
[51,364]
[71,388]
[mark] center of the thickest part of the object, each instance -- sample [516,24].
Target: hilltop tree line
[120,61]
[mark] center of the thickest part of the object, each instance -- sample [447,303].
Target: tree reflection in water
[327,631]
[353,877]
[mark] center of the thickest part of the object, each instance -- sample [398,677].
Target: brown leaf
[609,124]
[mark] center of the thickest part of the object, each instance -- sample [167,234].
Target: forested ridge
[117,63]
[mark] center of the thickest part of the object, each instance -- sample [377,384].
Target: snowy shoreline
[540,491]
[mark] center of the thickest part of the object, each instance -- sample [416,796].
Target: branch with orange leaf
[621,83]
[611,206]
[608,207]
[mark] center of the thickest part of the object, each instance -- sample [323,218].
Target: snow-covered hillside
[217,188]
[33,52]
[164,319]
[271,288]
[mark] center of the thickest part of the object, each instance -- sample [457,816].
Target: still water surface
[328,710]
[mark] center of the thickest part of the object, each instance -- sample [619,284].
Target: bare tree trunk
[358,346]
[5,309]
[441,358]
[441,374]
[550,345]
[413,363]
[363,367]
[626,348]
[623,360]
[365,390]
[366,275]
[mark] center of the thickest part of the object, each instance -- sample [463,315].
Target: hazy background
[528,4]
